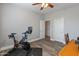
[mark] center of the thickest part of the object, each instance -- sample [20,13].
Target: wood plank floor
[50,48]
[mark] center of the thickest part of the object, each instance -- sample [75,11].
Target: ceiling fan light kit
[44,5]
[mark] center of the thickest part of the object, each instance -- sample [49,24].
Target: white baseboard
[11,46]
[52,39]
[6,47]
[34,40]
[56,40]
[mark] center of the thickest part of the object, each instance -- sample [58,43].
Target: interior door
[58,29]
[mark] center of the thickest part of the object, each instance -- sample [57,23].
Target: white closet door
[58,29]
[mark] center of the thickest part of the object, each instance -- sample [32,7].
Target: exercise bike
[22,44]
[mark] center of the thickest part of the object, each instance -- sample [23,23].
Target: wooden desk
[71,49]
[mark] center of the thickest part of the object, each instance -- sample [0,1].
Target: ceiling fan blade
[36,3]
[50,5]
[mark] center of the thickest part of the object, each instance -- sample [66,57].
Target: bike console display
[29,30]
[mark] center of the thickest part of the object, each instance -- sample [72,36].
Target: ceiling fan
[44,5]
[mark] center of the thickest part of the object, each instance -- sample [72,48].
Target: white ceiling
[57,6]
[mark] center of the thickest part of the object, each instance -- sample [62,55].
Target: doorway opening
[47,30]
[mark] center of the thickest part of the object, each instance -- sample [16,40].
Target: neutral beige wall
[1,42]
[16,19]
